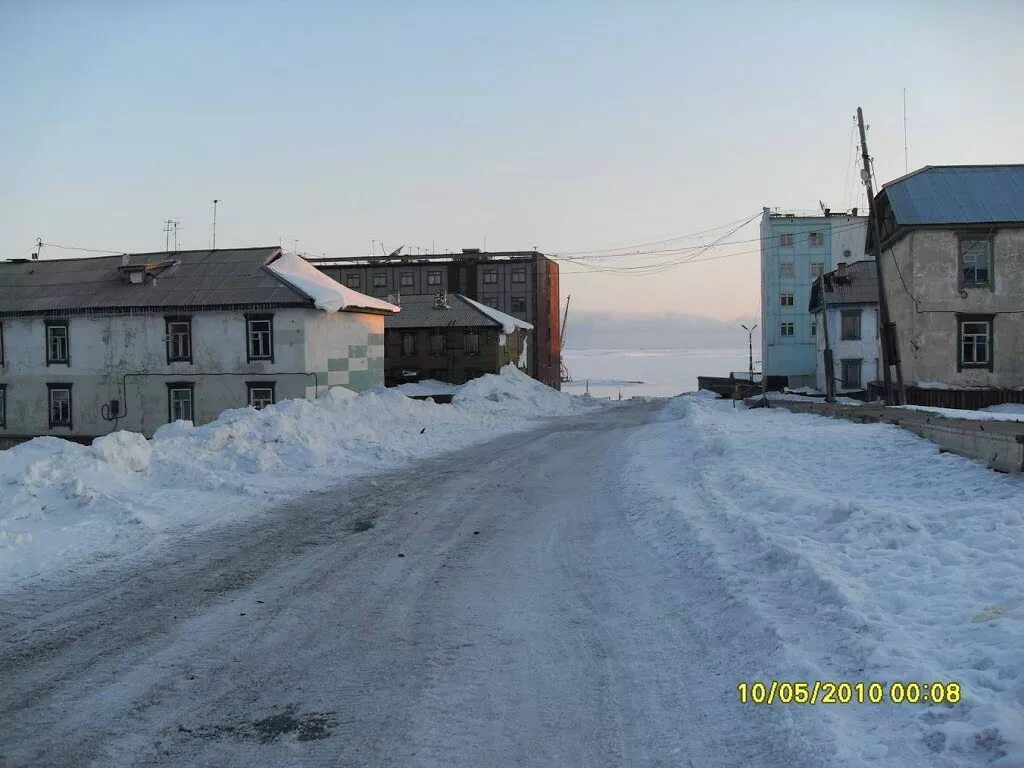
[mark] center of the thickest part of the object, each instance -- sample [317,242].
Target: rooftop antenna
[176,223]
[215,224]
[906,156]
[39,248]
[167,234]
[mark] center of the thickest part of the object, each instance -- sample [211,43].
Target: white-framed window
[786,240]
[261,394]
[405,280]
[434,277]
[260,337]
[60,405]
[786,329]
[57,347]
[816,268]
[490,277]
[179,339]
[519,275]
[785,299]
[787,269]
[815,239]
[352,280]
[975,342]
[180,401]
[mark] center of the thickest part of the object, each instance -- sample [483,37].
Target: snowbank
[869,555]
[426,387]
[64,503]
[1005,412]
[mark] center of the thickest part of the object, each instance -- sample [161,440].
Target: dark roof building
[855,283]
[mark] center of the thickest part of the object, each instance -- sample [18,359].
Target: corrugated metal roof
[194,279]
[419,312]
[958,194]
[857,285]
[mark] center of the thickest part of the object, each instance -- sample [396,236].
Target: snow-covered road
[495,607]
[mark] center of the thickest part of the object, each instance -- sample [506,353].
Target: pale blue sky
[561,125]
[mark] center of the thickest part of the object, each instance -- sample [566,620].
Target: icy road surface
[491,608]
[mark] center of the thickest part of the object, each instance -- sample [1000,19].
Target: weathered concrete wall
[929,263]
[103,348]
[345,349]
[864,349]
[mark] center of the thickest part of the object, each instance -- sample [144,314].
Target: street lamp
[750,347]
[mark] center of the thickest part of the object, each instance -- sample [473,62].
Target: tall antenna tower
[906,152]
[214,244]
[168,228]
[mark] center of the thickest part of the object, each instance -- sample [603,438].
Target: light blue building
[795,250]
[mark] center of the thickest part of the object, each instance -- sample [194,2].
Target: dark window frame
[353,280]
[843,315]
[58,323]
[846,361]
[380,279]
[792,330]
[475,335]
[409,335]
[519,274]
[438,334]
[170,320]
[961,319]
[3,405]
[434,277]
[490,277]
[251,318]
[522,301]
[962,282]
[50,389]
[172,386]
[406,279]
[252,386]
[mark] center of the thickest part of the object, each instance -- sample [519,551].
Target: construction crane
[563,370]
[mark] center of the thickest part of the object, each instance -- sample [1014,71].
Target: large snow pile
[64,502]
[871,556]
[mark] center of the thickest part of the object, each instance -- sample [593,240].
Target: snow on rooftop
[508,323]
[327,294]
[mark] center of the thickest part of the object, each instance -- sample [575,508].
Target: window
[260,344]
[786,299]
[179,339]
[352,280]
[472,343]
[408,344]
[975,332]
[437,343]
[519,275]
[851,374]
[816,269]
[491,301]
[814,328]
[60,405]
[975,261]
[786,269]
[3,405]
[815,238]
[786,329]
[850,324]
[433,278]
[179,401]
[380,280]
[490,277]
[405,280]
[261,394]
[786,241]
[57,343]
[519,304]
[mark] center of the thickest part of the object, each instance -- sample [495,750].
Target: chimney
[828,212]
[854,212]
[124,259]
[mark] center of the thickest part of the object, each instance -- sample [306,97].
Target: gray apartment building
[523,284]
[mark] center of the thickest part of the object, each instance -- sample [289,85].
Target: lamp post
[750,348]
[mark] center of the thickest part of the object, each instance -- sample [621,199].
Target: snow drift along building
[141,340]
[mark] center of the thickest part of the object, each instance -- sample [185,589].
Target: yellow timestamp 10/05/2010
[830,692]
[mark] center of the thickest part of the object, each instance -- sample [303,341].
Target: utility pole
[887,338]
[830,371]
[214,248]
[750,348]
